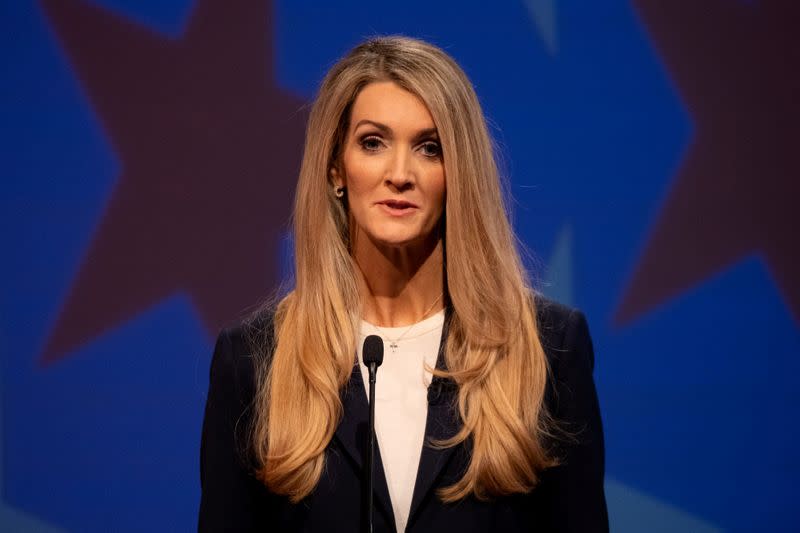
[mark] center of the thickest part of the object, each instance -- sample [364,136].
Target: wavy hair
[493,352]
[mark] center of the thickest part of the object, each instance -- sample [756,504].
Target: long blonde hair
[493,351]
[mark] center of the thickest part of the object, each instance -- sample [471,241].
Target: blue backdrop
[148,153]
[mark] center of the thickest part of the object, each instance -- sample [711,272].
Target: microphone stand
[373,357]
[373,367]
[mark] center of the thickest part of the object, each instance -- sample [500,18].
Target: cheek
[439,189]
[359,177]
[361,173]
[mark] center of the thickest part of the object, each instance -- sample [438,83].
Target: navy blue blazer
[569,497]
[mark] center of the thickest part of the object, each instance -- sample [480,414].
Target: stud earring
[338,191]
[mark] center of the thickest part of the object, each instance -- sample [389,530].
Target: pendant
[393,346]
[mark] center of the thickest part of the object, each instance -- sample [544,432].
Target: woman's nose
[401,173]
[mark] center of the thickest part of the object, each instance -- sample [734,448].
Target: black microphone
[372,355]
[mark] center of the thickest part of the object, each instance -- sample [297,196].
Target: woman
[400,231]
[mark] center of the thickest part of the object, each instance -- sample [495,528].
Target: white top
[401,403]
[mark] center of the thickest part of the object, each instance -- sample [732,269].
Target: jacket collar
[442,422]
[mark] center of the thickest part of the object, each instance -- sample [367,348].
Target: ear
[337,177]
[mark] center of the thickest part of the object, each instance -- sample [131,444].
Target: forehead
[388,103]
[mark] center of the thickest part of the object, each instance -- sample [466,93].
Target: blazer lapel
[442,423]
[352,434]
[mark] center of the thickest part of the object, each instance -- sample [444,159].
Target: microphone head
[373,350]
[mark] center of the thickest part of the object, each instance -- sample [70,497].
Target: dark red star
[209,150]
[736,66]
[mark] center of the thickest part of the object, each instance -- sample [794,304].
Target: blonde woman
[486,413]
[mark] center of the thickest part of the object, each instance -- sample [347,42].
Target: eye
[371,143]
[431,149]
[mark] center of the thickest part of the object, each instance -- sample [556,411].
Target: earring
[338,191]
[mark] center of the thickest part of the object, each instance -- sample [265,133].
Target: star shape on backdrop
[209,149]
[736,190]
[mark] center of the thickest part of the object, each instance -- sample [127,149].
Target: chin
[396,239]
[398,234]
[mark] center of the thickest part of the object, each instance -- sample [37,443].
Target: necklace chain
[393,342]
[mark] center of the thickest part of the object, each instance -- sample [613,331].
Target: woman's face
[392,167]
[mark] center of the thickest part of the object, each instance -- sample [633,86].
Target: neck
[400,285]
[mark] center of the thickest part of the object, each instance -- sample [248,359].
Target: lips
[398,204]
[398,208]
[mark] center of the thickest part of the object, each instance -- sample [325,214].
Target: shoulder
[238,351]
[573,489]
[231,496]
[564,334]
[567,343]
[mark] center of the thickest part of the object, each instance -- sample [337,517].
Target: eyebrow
[387,130]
